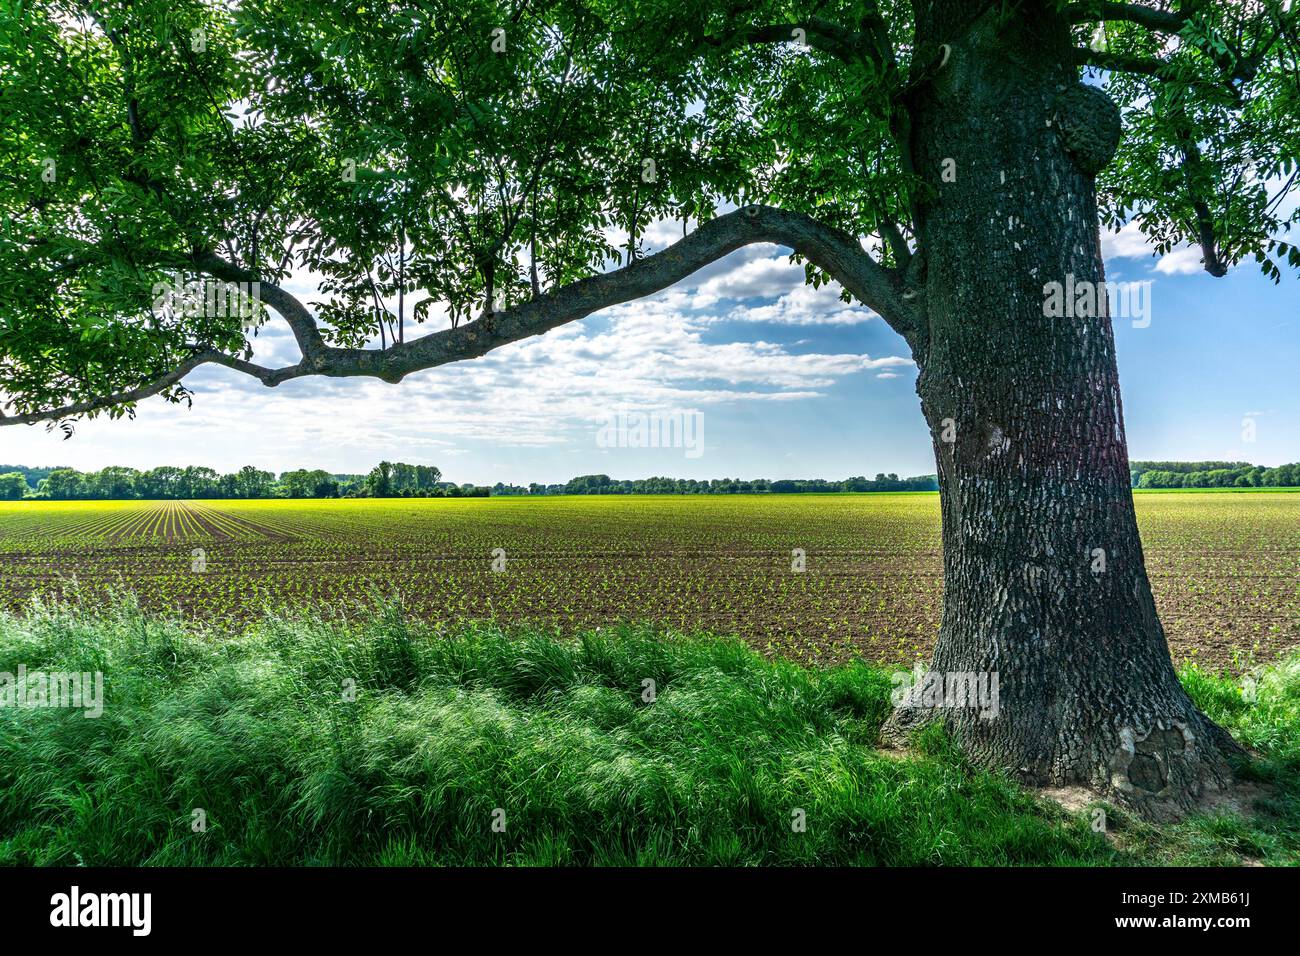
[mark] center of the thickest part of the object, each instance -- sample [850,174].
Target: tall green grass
[551,740]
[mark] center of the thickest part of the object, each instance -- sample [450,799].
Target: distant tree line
[1212,474]
[117,482]
[385,480]
[401,480]
[604,485]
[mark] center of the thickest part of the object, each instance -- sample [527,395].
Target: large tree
[493,166]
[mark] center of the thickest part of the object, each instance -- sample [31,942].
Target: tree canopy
[460,175]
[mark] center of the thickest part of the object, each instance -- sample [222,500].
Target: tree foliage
[470,165]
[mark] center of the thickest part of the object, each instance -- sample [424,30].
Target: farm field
[1225,568]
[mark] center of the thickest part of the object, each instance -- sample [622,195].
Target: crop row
[814,577]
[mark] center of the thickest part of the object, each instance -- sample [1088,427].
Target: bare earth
[1225,567]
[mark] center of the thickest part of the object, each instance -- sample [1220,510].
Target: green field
[1225,568]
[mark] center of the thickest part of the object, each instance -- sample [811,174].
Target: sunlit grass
[555,741]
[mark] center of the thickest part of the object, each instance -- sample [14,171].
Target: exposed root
[1162,774]
[1239,798]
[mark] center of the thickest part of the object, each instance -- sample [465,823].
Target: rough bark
[1044,579]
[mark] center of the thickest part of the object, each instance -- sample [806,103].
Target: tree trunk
[1045,589]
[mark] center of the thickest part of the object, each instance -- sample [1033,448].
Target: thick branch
[834,251]
[1233,67]
[1122,63]
[839,42]
[894,236]
[1192,164]
[1214,265]
[1164,21]
[289,307]
[300,319]
[1161,69]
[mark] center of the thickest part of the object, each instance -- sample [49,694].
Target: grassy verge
[477,747]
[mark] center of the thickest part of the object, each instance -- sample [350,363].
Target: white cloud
[751,279]
[804,305]
[663,232]
[1128,243]
[1181,262]
[550,391]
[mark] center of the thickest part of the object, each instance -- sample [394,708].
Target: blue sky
[790,382]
